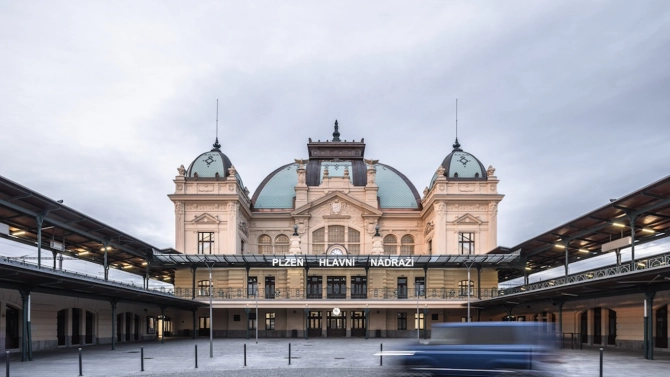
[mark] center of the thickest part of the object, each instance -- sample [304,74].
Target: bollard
[601,362]
[289,354]
[7,360]
[80,371]
[141,359]
[381,349]
[196,356]
[245,354]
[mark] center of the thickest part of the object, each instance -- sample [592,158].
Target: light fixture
[18,233]
[648,230]
[144,263]
[108,248]
[82,252]
[127,266]
[583,250]
[620,225]
[528,268]
[559,246]
[568,294]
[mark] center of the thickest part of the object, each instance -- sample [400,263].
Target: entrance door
[583,326]
[337,325]
[12,328]
[61,318]
[597,326]
[661,340]
[314,327]
[611,334]
[76,323]
[357,323]
[89,327]
[359,287]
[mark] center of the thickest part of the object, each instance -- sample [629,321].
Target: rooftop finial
[336,134]
[457,145]
[216,143]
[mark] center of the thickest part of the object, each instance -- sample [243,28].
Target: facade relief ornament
[466,187]
[178,209]
[180,187]
[232,208]
[425,192]
[205,188]
[336,207]
[242,226]
[232,171]
[440,207]
[430,226]
[440,171]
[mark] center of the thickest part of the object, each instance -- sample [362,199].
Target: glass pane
[336,234]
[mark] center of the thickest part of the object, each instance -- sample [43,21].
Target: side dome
[461,165]
[211,164]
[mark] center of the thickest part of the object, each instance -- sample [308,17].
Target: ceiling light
[108,248]
[559,246]
[83,252]
[583,250]
[18,233]
[144,263]
[528,268]
[648,230]
[620,225]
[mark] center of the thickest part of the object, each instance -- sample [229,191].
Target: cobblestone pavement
[314,357]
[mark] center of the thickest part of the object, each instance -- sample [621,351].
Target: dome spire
[336,134]
[457,145]
[216,144]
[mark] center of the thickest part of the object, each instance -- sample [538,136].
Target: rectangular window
[359,287]
[203,322]
[402,288]
[252,286]
[270,287]
[269,321]
[402,321]
[314,285]
[252,321]
[336,286]
[466,287]
[203,288]
[419,322]
[205,242]
[419,286]
[466,243]
[151,325]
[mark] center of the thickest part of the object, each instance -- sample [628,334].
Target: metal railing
[325,294]
[656,261]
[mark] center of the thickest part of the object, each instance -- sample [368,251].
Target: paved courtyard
[313,357]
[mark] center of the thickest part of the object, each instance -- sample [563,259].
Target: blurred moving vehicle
[481,349]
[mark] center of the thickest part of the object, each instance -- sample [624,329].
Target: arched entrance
[11,328]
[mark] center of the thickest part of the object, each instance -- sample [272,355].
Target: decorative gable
[205,218]
[467,219]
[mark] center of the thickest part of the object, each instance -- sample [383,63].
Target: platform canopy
[69,232]
[584,237]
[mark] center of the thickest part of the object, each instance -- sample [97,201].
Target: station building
[336,244]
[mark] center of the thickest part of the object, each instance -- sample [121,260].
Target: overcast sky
[100,102]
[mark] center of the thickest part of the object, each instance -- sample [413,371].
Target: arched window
[407,245]
[335,234]
[319,241]
[264,244]
[390,245]
[350,238]
[203,288]
[281,244]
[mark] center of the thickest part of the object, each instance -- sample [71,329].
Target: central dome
[278,189]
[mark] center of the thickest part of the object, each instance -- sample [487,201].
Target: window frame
[205,244]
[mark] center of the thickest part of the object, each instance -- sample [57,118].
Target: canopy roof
[586,235]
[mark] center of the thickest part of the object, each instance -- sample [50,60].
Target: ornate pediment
[205,218]
[336,204]
[467,219]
